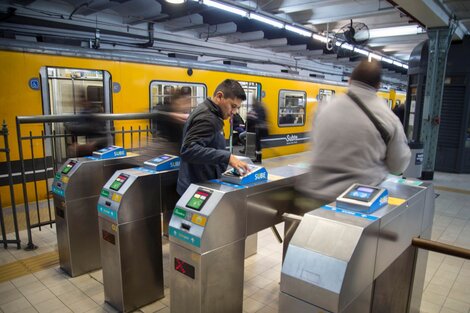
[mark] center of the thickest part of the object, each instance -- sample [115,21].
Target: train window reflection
[325,94]
[291,108]
[162,93]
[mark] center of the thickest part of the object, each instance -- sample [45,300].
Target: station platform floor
[31,281]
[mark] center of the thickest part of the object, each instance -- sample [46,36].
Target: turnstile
[207,238]
[76,189]
[130,230]
[354,262]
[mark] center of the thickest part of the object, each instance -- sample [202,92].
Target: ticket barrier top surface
[212,214]
[154,175]
[81,187]
[336,253]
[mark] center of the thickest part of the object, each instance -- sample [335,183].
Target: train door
[74,91]
[253,94]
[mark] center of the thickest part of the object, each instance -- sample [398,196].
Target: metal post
[30,245]
[439,43]
[10,182]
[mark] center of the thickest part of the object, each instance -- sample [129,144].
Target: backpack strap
[383,132]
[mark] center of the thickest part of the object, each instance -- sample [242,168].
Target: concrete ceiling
[216,33]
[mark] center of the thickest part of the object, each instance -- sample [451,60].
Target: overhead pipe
[149,43]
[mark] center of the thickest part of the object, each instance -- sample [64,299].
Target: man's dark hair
[231,89]
[369,73]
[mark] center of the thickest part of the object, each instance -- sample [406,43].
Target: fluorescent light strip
[225,7]
[395,31]
[375,56]
[361,51]
[266,20]
[387,60]
[299,30]
[405,66]
[397,63]
[319,38]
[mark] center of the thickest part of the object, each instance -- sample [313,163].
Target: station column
[439,43]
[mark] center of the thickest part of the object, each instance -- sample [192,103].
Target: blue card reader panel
[109,153]
[256,174]
[363,198]
[163,162]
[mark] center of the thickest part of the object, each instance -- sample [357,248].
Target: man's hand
[240,166]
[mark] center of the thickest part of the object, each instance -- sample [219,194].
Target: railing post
[29,245]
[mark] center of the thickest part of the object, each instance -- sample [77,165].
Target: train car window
[74,91]
[185,96]
[325,94]
[70,89]
[252,91]
[292,108]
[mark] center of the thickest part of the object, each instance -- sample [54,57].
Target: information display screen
[120,180]
[362,193]
[198,200]
[161,159]
[68,167]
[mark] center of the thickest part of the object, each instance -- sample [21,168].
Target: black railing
[41,169]
[6,151]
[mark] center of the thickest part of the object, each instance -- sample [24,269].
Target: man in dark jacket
[203,154]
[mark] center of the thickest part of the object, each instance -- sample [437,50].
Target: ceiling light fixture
[175,1]
[266,20]
[395,31]
[227,8]
[299,30]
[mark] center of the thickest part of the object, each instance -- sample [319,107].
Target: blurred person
[347,146]
[256,123]
[86,126]
[399,111]
[169,125]
[238,125]
[203,153]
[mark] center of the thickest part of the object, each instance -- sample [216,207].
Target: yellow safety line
[456,190]
[30,265]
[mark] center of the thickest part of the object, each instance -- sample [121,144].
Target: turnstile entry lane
[129,211]
[207,236]
[76,189]
[347,259]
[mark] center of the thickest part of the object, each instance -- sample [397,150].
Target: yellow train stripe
[33,264]
[456,190]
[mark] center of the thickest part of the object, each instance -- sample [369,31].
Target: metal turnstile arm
[441,248]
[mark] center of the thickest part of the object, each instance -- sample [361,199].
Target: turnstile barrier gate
[129,211]
[343,261]
[76,189]
[207,237]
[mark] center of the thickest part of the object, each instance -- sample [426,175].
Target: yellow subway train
[51,81]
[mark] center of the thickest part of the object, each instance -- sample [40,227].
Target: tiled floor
[447,286]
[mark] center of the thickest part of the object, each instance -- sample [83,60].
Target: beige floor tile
[51,306]
[428,307]
[40,296]
[83,306]
[154,307]
[251,306]
[16,305]
[10,295]
[456,305]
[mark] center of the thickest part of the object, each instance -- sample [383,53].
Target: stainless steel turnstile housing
[130,232]
[76,189]
[207,241]
[338,262]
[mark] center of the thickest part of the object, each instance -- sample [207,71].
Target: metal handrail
[441,247]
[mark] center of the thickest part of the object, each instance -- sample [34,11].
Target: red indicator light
[184,268]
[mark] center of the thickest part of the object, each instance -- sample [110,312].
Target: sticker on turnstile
[184,268]
[186,237]
[357,214]
[58,191]
[107,211]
